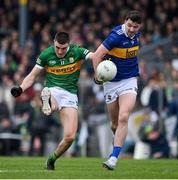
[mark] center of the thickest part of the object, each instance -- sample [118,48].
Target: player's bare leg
[114,108]
[126,105]
[69,120]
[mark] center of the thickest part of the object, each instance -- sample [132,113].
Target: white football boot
[110,164]
[45,96]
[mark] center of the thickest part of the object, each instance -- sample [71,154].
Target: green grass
[86,168]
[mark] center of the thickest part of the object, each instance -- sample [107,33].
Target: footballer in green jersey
[62,72]
[62,63]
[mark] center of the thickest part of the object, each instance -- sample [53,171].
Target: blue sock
[116,151]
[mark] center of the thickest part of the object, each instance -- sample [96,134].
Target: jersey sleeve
[41,61]
[83,52]
[110,41]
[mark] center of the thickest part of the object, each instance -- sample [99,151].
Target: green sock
[52,157]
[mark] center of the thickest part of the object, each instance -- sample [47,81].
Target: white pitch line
[12,171]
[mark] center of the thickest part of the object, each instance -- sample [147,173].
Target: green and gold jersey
[62,72]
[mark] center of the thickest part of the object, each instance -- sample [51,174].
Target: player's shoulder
[77,50]
[118,30]
[116,33]
[47,51]
[138,34]
[74,46]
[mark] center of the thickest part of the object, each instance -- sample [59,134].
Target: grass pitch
[86,168]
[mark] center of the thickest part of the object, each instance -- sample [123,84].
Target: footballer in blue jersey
[123,50]
[121,46]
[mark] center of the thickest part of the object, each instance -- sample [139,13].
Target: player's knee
[123,118]
[69,138]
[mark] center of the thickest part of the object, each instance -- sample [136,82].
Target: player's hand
[16,91]
[98,81]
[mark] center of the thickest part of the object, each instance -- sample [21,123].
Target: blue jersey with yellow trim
[123,52]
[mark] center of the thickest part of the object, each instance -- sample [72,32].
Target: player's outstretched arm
[98,56]
[27,82]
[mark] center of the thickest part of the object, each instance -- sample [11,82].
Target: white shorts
[112,90]
[64,98]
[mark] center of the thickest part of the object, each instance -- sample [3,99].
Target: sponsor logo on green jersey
[63,70]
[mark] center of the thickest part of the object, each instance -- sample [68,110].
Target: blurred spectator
[158,99]
[8,143]
[173,104]
[5,95]
[4,111]
[150,133]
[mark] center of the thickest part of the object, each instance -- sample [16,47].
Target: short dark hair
[62,37]
[135,16]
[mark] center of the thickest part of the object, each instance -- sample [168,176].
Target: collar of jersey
[123,29]
[68,49]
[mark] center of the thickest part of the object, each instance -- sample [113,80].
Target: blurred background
[28,27]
